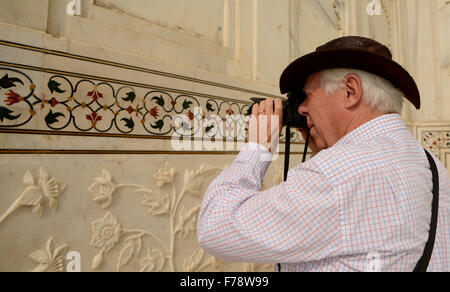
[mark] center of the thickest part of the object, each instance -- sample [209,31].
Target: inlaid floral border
[84,105]
[435,138]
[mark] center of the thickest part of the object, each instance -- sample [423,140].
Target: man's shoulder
[342,162]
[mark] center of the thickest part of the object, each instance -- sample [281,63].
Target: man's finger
[279,112]
[255,110]
[269,106]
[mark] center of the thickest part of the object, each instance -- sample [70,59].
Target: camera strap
[423,262]
[287,151]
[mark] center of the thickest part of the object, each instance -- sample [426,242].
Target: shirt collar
[376,127]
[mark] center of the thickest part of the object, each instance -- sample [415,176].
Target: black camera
[291,117]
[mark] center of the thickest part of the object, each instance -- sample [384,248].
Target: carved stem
[174,196]
[143,232]
[129,185]
[203,266]
[172,219]
[178,201]
[172,239]
[14,207]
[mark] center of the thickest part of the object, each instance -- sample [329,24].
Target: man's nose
[303,108]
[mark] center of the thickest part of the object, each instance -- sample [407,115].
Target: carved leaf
[38,210]
[28,179]
[196,181]
[31,196]
[157,203]
[187,227]
[58,250]
[133,246]
[164,175]
[40,256]
[192,263]
[125,255]
[153,262]
[53,203]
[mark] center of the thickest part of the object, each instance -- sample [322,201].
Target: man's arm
[295,221]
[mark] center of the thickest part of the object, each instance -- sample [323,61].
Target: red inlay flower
[94,118]
[230,112]
[130,109]
[12,98]
[190,115]
[154,112]
[53,102]
[95,94]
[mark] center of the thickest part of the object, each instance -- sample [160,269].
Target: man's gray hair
[379,93]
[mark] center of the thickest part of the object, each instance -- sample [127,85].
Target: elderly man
[363,202]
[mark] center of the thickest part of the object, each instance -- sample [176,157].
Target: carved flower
[164,175]
[34,193]
[51,188]
[107,232]
[102,189]
[218,265]
[153,262]
[49,259]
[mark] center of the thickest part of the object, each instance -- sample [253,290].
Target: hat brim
[295,75]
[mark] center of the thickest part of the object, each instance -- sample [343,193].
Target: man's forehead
[312,82]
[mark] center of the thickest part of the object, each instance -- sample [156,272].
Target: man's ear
[353,91]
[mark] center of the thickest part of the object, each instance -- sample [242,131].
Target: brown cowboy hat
[353,52]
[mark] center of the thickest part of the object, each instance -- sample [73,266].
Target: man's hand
[266,123]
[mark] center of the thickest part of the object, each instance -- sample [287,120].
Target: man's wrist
[255,152]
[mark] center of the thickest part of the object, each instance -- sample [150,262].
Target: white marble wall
[88,101]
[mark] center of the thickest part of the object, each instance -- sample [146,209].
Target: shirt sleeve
[295,221]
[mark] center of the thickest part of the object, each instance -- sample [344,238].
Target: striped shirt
[362,205]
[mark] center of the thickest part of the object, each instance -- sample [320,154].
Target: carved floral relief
[37,193]
[50,259]
[107,232]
